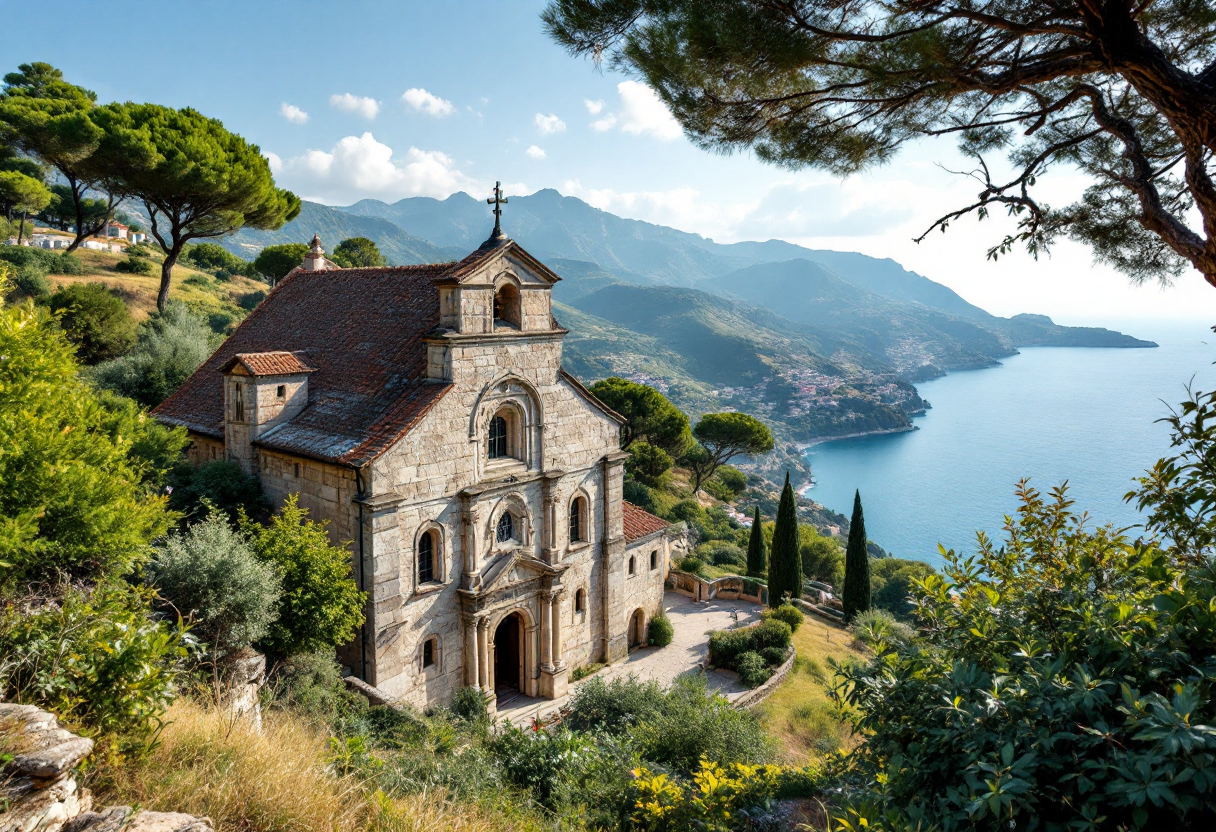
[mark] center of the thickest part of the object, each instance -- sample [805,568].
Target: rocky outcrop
[38,788]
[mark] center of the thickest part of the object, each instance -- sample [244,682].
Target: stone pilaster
[615,639]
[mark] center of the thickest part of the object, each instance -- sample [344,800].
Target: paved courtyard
[692,622]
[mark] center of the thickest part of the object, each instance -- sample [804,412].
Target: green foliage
[311,684]
[95,320]
[727,484]
[690,511]
[716,798]
[196,179]
[93,656]
[209,575]
[752,669]
[72,495]
[274,262]
[771,633]
[822,559]
[728,647]
[31,282]
[153,449]
[788,613]
[170,346]
[50,262]
[321,605]
[356,253]
[721,553]
[221,485]
[648,464]
[24,194]
[584,670]
[757,554]
[660,631]
[856,595]
[649,416]
[250,300]
[877,629]
[537,760]
[613,707]
[1063,678]
[134,265]
[721,436]
[470,704]
[197,280]
[691,564]
[785,557]
[61,213]
[213,258]
[892,581]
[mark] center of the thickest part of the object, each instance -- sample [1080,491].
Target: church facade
[424,412]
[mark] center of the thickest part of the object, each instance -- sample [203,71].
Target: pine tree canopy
[1123,92]
[756,556]
[856,595]
[785,558]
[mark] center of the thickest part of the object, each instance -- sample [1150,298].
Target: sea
[1082,416]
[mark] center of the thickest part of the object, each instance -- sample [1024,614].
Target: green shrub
[311,684]
[788,613]
[210,576]
[95,320]
[774,656]
[640,495]
[136,265]
[68,264]
[721,553]
[321,604]
[771,633]
[725,646]
[752,669]
[31,281]
[892,581]
[471,705]
[170,347]
[42,258]
[690,511]
[648,464]
[199,280]
[691,564]
[660,632]
[250,300]
[537,760]
[584,670]
[221,484]
[876,627]
[212,257]
[93,656]
[219,322]
[613,707]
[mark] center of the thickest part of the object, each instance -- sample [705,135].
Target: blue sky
[393,99]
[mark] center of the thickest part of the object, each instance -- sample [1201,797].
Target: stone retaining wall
[757,695]
[38,788]
[729,587]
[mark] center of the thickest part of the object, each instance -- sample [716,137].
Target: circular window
[506,528]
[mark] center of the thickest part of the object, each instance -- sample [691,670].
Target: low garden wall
[756,695]
[731,587]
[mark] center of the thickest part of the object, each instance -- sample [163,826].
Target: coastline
[806,446]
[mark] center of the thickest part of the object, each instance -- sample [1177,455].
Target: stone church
[424,412]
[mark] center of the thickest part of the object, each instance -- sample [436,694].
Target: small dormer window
[280,392]
[238,403]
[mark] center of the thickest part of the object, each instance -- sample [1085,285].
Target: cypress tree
[785,558]
[756,556]
[856,596]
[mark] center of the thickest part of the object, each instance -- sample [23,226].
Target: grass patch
[799,713]
[583,671]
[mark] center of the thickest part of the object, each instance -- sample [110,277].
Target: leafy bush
[584,670]
[250,300]
[752,669]
[95,320]
[74,497]
[49,261]
[892,581]
[170,347]
[690,511]
[727,484]
[210,576]
[691,564]
[321,605]
[876,628]
[648,464]
[660,631]
[613,707]
[275,262]
[822,557]
[93,656]
[212,257]
[774,656]
[725,646]
[771,633]
[721,553]
[537,760]
[68,264]
[735,797]
[136,265]
[220,484]
[31,281]
[311,684]
[220,321]
[788,613]
[470,704]
[198,280]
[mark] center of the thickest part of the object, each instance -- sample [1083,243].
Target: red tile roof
[275,363]
[640,523]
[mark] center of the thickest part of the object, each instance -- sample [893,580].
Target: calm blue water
[1050,414]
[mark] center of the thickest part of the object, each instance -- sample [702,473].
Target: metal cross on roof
[498,200]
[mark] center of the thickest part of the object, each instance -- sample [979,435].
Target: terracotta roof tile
[640,523]
[275,363]
[359,330]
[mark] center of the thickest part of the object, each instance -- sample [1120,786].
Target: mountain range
[820,343]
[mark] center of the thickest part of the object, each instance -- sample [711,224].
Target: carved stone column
[556,618]
[553,682]
[483,655]
[472,662]
[546,633]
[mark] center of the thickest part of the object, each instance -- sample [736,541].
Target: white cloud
[425,102]
[369,108]
[359,166]
[644,113]
[547,124]
[593,107]
[535,152]
[293,113]
[603,125]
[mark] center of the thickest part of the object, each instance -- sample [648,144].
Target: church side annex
[424,412]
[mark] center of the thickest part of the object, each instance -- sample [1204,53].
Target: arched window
[428,653]
[578,523]
[506,305]
[426,557]
[654,560]
[580,601]
[506,528]
[498,438]
[632,565]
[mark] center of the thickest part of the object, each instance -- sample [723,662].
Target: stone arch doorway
[509,654]
[637,629]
